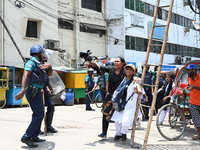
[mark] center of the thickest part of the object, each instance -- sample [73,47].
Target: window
[130,42]
[159,13]
[93,29]
[178,50]
[140,44]
[172,49]
[135,5]
[177,19]
[33,28]
[151,10]
[92,4]
[173,18]
[65,24]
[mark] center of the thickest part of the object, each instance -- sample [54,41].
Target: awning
[94,26]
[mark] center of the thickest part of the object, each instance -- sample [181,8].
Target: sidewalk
[78,130]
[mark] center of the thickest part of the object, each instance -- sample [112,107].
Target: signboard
[131,63]
[168,68]
[196,24]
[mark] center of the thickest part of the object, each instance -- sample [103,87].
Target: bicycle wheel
[2,103]
[98,100]
[171,122]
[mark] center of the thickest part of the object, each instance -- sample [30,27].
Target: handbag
[119,95]
[120,105]
[107,105]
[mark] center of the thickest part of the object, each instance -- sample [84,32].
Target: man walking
[35,77]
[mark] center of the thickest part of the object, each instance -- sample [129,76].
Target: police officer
[89,85]
[50,107]
[50,110]
[35,77]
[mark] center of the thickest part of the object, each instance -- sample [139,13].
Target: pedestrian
[148,79]
[116,75]
[124,119]
[164,97]
[102,81]
[35,77]
[89,88]
[194,104]
[50,106]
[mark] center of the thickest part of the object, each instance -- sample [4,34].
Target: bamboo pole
[134,122]
[159,67]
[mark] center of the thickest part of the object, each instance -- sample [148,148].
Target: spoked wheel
[173,125]
[2,103]
[98,100]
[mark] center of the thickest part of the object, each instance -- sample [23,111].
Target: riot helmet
[38,49]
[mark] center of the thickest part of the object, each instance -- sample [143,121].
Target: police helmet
[90,70]
[35,49]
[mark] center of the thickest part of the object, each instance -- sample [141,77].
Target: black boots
[124,138]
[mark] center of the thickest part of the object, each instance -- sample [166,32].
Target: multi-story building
[65,26]
[129,25]
[106,27]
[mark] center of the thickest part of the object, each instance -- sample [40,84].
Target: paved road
[78,130]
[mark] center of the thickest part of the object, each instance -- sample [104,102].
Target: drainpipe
[76,32]
[2,35]
[106,38]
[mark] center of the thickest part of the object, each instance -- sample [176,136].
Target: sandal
[196,137]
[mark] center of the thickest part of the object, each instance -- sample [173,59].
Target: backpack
[119,95]
[102,82]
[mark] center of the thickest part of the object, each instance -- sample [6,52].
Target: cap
[130,65]
[191,66]
[90,69]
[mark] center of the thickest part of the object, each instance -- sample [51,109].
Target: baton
[45,126]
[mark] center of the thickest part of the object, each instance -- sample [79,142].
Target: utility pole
[2,21]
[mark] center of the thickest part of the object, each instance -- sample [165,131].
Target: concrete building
[65,26]
[129,24]
[106,27]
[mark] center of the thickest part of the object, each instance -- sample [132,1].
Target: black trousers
[146,109]
[105,124]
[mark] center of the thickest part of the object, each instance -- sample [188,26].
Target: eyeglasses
[117,61]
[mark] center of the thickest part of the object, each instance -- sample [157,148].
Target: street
[78,130]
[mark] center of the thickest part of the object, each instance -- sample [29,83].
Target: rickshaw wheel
[2,103]
[173,126]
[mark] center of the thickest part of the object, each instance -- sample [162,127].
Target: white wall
[48,11]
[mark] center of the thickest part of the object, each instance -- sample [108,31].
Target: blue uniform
[90,85]
[35,103]
[102,82]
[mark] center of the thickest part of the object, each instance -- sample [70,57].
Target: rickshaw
[4,80]
[177,111]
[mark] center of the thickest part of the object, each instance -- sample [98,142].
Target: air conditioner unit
[186,29]
[182,60]
[52,44]
[188,59]
[179,60]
